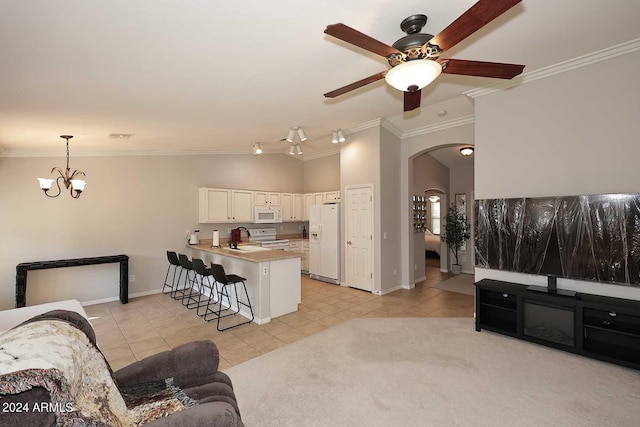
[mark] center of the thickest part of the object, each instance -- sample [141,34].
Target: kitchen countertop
[258,256]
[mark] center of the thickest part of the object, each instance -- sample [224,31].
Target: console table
[23,268]
[599,327]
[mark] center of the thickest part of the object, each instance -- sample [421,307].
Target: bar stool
[226,281]
[196,300]
[186,268]
[174,262]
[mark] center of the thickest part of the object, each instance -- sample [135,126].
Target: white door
[359,237]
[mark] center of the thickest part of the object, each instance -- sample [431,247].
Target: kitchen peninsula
[273,276]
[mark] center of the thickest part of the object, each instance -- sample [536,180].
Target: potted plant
[456,232]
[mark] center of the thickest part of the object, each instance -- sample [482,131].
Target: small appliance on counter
[193,238]
[236,236]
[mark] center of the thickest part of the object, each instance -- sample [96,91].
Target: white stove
[267,238]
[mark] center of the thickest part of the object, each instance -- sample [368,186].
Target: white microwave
[267,214]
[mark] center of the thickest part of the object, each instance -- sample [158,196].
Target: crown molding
[462,121]
[562,67]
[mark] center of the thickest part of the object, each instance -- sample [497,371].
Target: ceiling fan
[415,58]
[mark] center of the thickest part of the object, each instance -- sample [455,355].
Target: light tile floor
[151,324]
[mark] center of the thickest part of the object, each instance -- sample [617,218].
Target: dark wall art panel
[595,238]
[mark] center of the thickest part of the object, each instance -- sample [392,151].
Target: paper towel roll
[216,239]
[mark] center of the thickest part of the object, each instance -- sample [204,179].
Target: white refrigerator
[324,243]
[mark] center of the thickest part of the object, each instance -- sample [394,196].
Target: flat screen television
[593,238]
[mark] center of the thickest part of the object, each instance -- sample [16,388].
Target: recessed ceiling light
[442,113]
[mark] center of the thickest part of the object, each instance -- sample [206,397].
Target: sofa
[52,373]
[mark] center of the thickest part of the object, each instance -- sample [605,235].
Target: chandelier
[75,186]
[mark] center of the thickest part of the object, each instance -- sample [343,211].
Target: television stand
[599,327]
[546,290]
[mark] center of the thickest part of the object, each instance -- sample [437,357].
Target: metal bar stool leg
[169,287]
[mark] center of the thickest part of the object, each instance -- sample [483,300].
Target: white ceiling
[212,76]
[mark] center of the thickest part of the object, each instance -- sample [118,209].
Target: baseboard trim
[110,299]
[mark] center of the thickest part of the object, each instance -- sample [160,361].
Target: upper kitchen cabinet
[242,205]
[265,198]
[225,205]
[292,207]
[311,199]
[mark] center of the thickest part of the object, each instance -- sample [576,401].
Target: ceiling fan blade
[412,100]
[476,17]
[359,39]
[481,68]
[356,85]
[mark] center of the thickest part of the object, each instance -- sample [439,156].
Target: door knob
[348,242]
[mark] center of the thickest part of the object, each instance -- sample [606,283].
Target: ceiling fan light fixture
[341,137]
[292,150]
[334,137]
[257,149]
[466,151]
[298,149]
[413,75]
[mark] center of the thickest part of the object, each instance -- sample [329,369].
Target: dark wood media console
[599,327]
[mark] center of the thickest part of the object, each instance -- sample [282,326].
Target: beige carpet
[462,284]
[430,372]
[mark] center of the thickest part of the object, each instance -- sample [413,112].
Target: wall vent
[121,135]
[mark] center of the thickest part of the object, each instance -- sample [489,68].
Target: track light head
[301,134]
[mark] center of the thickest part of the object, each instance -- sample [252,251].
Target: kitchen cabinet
[224,205]
[265,198]
[241,205]
[301,247]
[292,207]
[214,205]
[311,199]
[331,197]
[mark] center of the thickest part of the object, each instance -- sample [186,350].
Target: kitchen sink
[249,248]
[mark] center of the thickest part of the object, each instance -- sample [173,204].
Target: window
[435,217]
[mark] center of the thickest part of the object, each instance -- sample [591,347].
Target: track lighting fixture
[292,134]
[338,136]
[295,148]
[301,135]
[257,149]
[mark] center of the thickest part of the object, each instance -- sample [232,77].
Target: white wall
[569,134]
[322,174]
[139,206]
[388,234]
